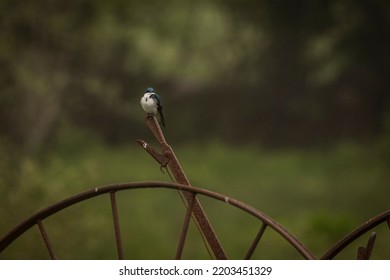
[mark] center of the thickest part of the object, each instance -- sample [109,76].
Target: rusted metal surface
[117,230]
[51,210]
[256,241]
[45,238]
[184,230]
[364,253]
[168,159]
[356,233]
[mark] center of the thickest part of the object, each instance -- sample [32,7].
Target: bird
[151,104]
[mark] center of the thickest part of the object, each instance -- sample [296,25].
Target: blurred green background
[283,105]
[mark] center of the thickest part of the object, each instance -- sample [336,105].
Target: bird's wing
[156,97]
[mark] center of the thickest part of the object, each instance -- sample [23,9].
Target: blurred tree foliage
[280,73]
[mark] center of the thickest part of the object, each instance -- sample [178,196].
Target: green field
[318,195]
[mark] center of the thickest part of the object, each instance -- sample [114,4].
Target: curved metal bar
[46,212]
[356,233]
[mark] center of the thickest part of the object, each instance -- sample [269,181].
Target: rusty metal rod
[256,241]
[184,230]
[364,253]
[361,253]
[200,216]
[117,230]
[45,238]
[370,245]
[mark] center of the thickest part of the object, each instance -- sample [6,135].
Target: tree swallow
[151,104]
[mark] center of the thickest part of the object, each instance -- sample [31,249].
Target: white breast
[148,104]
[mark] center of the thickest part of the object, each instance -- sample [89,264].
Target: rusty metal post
[168,159]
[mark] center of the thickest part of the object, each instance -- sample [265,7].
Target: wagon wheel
[37,220]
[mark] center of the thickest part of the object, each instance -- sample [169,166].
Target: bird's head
[149,90]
